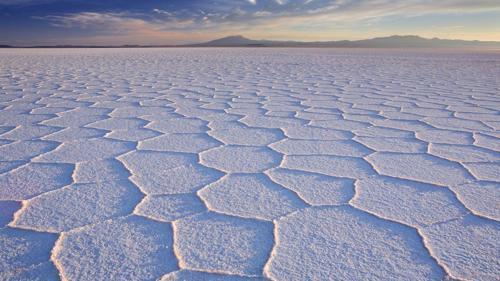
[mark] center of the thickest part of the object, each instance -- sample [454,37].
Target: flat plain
[249,164]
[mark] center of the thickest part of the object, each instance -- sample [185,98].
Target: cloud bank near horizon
[181,21]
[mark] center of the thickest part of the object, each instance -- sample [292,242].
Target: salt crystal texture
[249,164]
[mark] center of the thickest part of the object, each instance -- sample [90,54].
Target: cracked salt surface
[231,164]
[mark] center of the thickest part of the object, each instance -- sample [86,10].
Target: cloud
[225,17]
[252,11]
[162,12]
[91,19]
[249,11]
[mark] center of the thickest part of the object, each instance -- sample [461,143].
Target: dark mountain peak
[234,37]
[403,37]
[232,40]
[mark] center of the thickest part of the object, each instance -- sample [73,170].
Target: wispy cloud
[244,16]
[206,14]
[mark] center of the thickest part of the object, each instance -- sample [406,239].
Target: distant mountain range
[395,41]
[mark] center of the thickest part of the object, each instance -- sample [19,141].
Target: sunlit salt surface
[249,164]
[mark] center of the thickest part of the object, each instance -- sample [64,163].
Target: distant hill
[237,40]
[395,41]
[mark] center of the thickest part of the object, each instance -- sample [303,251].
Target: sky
[118,22]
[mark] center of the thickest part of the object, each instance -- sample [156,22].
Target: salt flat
[249,164]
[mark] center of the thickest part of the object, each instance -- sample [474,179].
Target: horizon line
[197,44]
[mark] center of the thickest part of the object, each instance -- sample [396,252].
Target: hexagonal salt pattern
[157,172]
[129,248]
[224,244]
[241,159]
[250,196]
[248,164]
[78,205]
[316,242]
[26,254]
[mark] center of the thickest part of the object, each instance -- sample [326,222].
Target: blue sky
[28,22]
